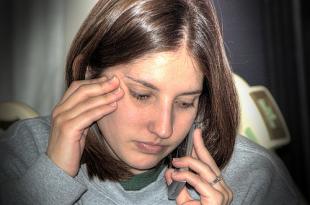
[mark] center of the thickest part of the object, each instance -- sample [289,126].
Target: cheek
[182,127]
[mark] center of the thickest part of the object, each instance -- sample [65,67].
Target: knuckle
[107,99]
[55,111]
[187,159]
[75,84]
[190,161]
[104,85]
[219,196]
[226,195]
[191,177]
[104,77]
[97,101]
[58,120]
[82,89]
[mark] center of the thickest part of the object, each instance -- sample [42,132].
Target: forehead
[174,68]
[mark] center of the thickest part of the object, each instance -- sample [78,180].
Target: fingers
[100,96]
[67,125]
[101,102]
[73,122]
[184,194]
[202,153]
[195,165]
[168,174]
[203,171]
[87,104]
[219,193]
[200,184]
[80,91]
[84,103]
[76,84]
[67,140]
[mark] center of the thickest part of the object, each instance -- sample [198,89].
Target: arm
[41,163]
[27,175]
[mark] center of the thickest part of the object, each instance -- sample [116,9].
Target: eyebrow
[153,87]
[142,82]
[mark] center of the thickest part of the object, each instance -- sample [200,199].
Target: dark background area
[268,42]
[6,75]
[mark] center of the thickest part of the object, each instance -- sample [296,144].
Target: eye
[185,105]
[138,96]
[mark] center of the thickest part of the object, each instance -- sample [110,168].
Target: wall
[35,38]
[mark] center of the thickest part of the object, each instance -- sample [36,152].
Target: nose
[161,123]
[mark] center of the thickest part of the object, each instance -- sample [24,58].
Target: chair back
[11,111]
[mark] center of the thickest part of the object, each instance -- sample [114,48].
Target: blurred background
[268,43]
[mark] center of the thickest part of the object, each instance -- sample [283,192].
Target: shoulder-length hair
[120,31]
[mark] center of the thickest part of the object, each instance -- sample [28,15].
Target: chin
[144,164]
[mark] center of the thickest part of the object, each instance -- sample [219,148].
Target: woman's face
[159,106]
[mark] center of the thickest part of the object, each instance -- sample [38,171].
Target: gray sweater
[27,176]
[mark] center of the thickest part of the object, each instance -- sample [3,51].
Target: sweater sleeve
[266,186]
[27,175]
[257,176]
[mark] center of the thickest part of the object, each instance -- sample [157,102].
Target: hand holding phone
[175,187]
[204,175]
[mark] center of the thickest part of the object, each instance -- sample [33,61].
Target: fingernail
[176,159]
[114,104]
[113,78]
[104,78]
[117,91]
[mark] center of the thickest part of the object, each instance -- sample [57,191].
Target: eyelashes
[185,105]
[144,98]
[140,97]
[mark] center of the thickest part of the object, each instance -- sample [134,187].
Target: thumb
[184,195]
[168,175]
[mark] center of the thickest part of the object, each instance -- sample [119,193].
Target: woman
[140,73]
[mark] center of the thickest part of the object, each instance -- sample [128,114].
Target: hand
[204,172]
[83,103]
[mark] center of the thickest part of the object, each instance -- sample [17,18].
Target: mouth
[149,147]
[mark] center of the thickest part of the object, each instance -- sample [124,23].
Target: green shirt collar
[140,181]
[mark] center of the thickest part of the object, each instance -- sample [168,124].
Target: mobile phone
[175,187]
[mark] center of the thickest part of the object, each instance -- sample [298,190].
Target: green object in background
[250,134]
[268,113]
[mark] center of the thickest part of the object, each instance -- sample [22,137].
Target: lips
[149,148]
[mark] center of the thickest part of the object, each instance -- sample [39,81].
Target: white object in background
[13,110]
[261,119]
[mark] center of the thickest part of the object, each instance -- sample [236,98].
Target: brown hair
[119,31]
